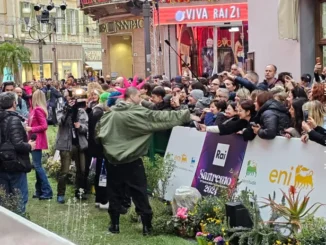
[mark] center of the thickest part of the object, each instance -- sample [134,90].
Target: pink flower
[182,213]
[199,233]
[218,239]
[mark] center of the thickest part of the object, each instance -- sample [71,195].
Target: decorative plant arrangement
[208,219]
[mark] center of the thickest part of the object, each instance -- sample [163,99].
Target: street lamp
[45,19]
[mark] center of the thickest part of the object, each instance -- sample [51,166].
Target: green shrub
[12,201]
[313,231]
[158,173]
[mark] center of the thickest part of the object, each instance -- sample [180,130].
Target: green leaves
[12,55]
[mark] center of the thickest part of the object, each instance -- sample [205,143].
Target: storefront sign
[93,55]
[203,14]
[121,25]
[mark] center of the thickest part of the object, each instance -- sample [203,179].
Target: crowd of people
[109,123]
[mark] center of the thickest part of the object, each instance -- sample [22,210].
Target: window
[59,21]
[73,23]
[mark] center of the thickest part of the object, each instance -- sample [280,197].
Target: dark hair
[198,85]
[233,105]
[298,92]
[148,87]
[166,84]
[248,105]
[234,83]
[264,97]
[220,104]
[4,85]
[105,86]
[102,80]
[298,113]
[203,81]
[306,78]
[7,100]
[159,91]
[281,76]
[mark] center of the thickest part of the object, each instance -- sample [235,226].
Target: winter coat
[273,118]
[126,130]
[94,148]
[37,121]
[318,135]
[17,135]
[64,135]
[52,95]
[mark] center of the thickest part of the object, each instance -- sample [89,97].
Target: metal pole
[54,49]
[40,46]
[147,38]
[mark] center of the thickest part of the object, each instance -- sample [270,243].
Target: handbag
[9,161]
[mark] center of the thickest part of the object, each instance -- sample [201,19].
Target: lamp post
[147,37]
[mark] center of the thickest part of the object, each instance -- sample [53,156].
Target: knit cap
[197,94]
[104,97]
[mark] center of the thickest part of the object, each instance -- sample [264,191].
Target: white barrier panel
[16,230]
[206,161]
[271,165]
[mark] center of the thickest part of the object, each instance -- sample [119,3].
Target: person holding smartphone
[316,133]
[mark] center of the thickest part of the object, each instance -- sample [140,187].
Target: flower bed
[208,219]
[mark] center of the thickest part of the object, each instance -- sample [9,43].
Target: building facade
[67,50]
[211,35]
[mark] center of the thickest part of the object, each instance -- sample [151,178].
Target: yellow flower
[278,242]
[223,229]
[226,243]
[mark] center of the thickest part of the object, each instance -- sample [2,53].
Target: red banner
[199,14]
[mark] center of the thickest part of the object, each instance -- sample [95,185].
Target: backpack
[8,155]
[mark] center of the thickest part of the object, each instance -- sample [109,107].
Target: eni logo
[251,168]
[302,177]
[183,158]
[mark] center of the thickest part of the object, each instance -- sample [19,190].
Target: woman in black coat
[315,133]
[272,117]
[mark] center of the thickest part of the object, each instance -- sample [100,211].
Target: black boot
[114,227]
[147,224]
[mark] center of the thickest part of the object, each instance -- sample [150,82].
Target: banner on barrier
[206,161]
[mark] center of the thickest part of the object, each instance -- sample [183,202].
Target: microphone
[187,65]
[33,137]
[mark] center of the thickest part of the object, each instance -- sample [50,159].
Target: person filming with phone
[72,141]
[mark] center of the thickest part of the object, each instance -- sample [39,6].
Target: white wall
[264,41]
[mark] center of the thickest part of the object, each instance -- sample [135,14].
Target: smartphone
[305,115]
[197,126]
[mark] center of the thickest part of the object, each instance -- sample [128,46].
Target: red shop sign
[199,14]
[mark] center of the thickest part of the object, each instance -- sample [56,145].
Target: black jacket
[273,118]
[318,135]
[94,149]
[18,137]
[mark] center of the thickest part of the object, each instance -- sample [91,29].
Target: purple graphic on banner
[220,159]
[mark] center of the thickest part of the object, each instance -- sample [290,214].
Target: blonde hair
[243,94]
[281,97]
[315,110]
[38,99]
[94,86]
[277,89]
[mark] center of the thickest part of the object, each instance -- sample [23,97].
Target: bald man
[21,108]
[119,82]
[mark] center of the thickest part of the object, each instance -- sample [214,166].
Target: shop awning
[96,65]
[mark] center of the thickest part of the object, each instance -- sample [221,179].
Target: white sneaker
[97,205]
[104,206]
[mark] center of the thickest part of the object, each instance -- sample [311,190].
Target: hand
[194,118]
[306,127]
[305,138]
[202,127]
[256,128]
[27,128]
[289,83]
[32,144]
[206,110]
[77,125]
[72,103]
[240,132]
[287,135]
[230,76]
[312,123]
